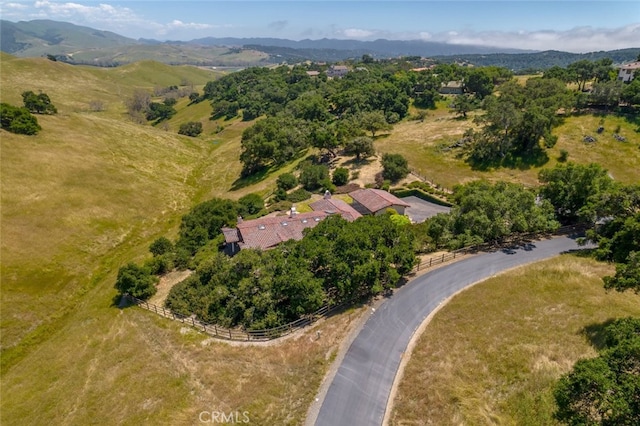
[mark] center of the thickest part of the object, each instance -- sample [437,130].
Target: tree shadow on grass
[631,115]
[537,158]
[359,163]
[596,333]
[121,302]
[262,173]
[253,178]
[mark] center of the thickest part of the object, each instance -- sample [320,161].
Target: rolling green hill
[39,37]
[91,182]
[83,45]
[85,196]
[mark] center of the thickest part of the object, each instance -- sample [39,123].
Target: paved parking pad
[420,210]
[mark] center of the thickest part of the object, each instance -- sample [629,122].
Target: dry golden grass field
[425,143]
[493,354]
[91,191]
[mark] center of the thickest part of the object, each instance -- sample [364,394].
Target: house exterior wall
[626,72]
[398,209]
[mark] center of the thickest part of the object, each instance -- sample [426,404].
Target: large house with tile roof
[333,205]
[267,232]
[376,201]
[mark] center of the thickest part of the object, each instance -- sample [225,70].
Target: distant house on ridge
[451,88]
[627,71]
[337,71]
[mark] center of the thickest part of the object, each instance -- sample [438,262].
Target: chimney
[239,219]
[327,194]
[293,212]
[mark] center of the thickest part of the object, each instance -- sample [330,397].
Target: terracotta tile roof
[630,66]
[375,200]
[231,235]
[334,205]
[267,232]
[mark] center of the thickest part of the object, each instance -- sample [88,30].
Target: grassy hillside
[39,37]
[92,190]
[87,195]
[92,182]
[493,354]
[84,45]
[426,146]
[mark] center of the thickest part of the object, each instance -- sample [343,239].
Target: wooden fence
[239,334]
[445,257]
[430,182]
[236,334]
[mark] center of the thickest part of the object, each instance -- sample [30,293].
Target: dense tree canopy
[18,120]
[485,212]
[361,147]
[336,261]
[627,275]
[136,281]
[273,141]
[160,111]
[191,128]
[605,390]
[574,190]
[204,221]
[327,114]
[516,121]
[394,167]
[38,104]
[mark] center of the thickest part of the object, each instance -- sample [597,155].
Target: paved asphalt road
[360,389]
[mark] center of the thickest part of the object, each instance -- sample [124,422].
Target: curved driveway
[360,389]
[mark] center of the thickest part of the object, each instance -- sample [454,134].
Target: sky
[568,25]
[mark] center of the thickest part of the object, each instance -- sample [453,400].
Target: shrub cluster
[18,120]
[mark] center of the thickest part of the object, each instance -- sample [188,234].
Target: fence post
[193,321]
[230,334]
[215,329]
[430,260]
[442,258]
[454,254]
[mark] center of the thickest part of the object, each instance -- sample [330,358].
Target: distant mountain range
[84,45]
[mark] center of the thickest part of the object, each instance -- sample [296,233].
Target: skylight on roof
[262,227]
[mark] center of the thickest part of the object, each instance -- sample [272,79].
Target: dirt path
[165,285]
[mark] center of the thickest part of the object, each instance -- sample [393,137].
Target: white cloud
[579,39]
[189,25]
[99,13]
[102,16]
[357,33]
